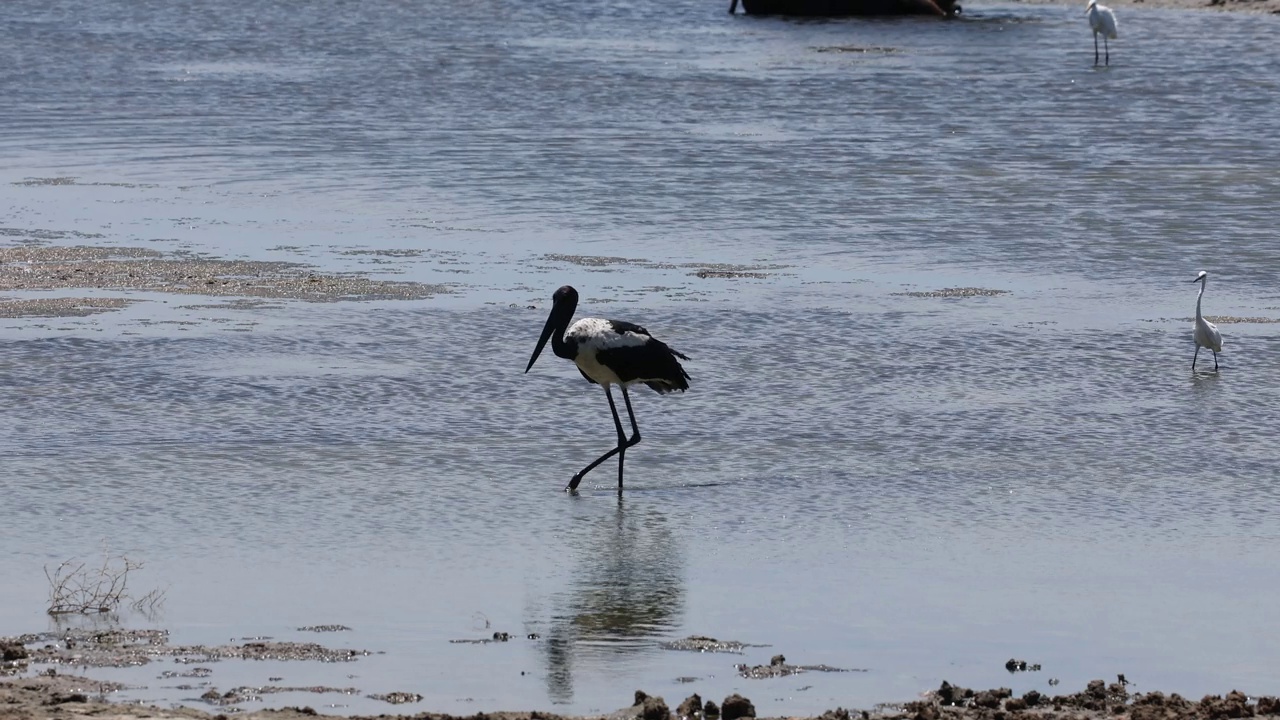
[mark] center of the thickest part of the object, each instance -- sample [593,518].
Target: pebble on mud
[396,698]
[957,292]
[705,274]
[60,307]
[702,643]
[735,706]
[128,648]
[778,667]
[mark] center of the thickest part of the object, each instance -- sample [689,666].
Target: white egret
[1206,333]
[1102,20]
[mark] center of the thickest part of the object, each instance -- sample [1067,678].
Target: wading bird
[607,353]
[1206,333]
[1103,21]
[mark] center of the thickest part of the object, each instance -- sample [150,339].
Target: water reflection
[628,590]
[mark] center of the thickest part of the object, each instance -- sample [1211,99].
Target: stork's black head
[563,303]
[565,294]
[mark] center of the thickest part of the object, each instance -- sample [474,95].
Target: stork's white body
[590,336]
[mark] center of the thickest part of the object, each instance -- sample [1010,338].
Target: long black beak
[542,341]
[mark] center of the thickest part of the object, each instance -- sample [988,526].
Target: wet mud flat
[38,680]
[37,267]
[56,696]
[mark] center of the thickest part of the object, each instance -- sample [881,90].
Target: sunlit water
[920,488]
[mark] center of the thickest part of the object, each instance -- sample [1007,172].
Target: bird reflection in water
[628,591]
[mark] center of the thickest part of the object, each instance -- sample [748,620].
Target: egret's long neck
[1199,298]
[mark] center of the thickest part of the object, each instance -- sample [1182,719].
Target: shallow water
[916,487]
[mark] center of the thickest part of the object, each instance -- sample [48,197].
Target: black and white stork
[608,353]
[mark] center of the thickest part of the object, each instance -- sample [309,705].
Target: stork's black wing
[650,361]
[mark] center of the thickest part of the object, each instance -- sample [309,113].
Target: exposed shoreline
[50,693]
[59,697]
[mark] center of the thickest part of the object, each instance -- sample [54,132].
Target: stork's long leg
[635,434]
[1215,358]
[623,443]
[1193,358]
[1095,47]
[1106,46]
[635,429]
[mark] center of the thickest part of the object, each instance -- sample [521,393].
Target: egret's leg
[1215,358]
[1106,47]
[617,424]
[733,6]
[1095,47]
[1193,358]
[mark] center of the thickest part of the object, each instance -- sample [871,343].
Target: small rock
[654,708]
[924,711]
[837,714]
[987,699]
[396,698]
[14,652]
[1032,698]
[778,660]
[710,710]
[735,706]
[949,694]
[640,696]
[1015,704]
[1267,705]
[691,708]
[1097,689]
[1014,665]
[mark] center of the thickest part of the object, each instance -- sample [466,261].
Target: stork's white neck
[1199,298]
